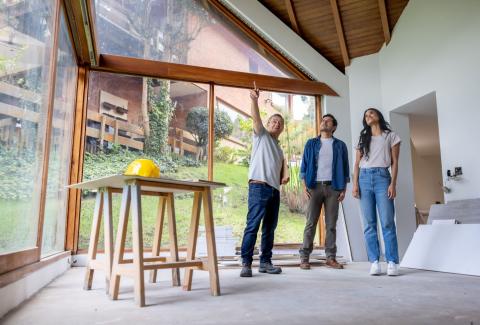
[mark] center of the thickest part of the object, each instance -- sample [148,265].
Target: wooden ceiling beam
[340,33]
[292,16]
[183,72]
[384,17]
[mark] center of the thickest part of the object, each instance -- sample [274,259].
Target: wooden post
[115,132]
[120,242]
[180,145]
[211,246]
[94,234]
[137,237]
[108,233]
[172,233]
[157,240]
[211,129]
[102,131]
[192,239]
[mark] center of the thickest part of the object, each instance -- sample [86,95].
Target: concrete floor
[322,295]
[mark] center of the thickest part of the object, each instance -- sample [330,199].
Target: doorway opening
[425,154]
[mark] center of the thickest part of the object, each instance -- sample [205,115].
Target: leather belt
[324,182]
[257,182]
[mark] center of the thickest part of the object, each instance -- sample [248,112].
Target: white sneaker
[375,269]
[392,269]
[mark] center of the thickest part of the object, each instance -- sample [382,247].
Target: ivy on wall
[160,112]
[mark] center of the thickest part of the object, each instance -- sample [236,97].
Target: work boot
[269,268]
[332,262]
[246,271]
[304,263]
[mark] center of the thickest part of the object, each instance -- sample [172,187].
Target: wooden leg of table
[137,237]
[172,233]
[157,239]
[94,234]
[108,233]
[211,246]
[120,242]
[192,239]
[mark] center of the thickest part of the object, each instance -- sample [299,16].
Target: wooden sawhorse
[133,191]
[102,210]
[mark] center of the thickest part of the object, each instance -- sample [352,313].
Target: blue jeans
[373,185]
[263,204]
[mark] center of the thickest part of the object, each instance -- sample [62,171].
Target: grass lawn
[18,226]
[229,208]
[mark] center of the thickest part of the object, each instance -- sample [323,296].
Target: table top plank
[159,185]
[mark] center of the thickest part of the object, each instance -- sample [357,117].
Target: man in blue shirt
[325,174]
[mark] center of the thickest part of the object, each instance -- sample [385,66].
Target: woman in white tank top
[377,151]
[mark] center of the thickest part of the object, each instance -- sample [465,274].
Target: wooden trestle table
[133,188]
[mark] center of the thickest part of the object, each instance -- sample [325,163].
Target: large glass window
[60,145]
[179,31]
[232,156]
[166,121]
[25,43]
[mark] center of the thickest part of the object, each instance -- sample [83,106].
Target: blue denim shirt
[340,168]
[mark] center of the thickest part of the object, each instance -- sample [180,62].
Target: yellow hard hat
[143,167]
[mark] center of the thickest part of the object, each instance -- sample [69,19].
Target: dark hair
[335,123]
[276,115]
[366,133]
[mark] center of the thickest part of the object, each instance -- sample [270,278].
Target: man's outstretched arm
[255,110]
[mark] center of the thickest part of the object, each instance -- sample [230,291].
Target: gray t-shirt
[380,154]
[325,160]
[267,159]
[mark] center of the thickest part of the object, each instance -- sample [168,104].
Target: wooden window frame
[186,73]
[170,71]
[12,262]
[76,162]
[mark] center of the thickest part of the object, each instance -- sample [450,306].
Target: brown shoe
[304,264]
[331,262]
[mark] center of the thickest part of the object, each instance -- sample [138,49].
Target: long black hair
[366,133]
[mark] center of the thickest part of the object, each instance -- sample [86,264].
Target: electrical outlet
[458,171]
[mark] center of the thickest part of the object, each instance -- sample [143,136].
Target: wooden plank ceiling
[340,30]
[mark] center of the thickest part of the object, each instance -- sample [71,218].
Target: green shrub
[292,193]
[225,154]
[18,172]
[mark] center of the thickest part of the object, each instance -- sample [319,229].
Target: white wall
[405,199]
[17,292]
[365,92]
[427,180]
[435,47]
